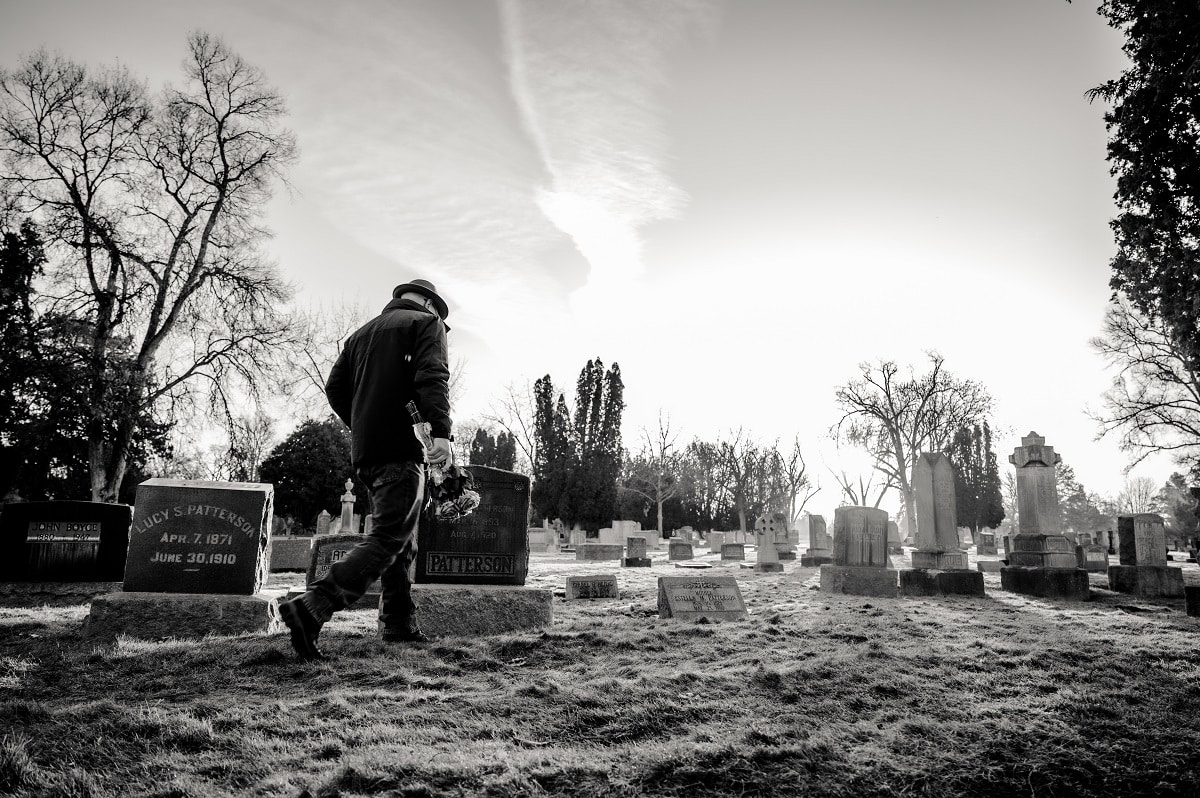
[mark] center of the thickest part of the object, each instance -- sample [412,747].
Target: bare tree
[858,489]
[895,417]
[1154,402]
[654,473]
[793,476]
[514,412]
[741,463]
[1139,495]
[151,210]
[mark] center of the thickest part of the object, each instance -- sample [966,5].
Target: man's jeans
[388,553]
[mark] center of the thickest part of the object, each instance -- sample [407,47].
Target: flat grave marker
[690,598]
[599,586]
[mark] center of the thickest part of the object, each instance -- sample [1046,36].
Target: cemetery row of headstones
[204,539]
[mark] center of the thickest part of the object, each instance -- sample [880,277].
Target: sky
[737,201]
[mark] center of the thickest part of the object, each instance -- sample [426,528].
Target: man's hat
[426,289]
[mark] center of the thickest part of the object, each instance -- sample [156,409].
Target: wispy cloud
[584,75]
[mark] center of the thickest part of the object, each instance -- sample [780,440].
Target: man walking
[397,357]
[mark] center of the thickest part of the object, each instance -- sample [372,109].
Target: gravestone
[715,541]
[1143,569]
[936,539]
[329,549]
[488,547]
[1095,559]
[324,519]
[602,586]
[733,551]
[541,539]
[635,553]
[349,519]
[692,598]
[287,553]
[1041,561]
[987,543]
[770,530]
[860,562]
[598,551]
[1192,600]
[63,541]
[820,544]
[895,544]
[193,536]
[679,550]
[61,552]
[197,558]
[611,537]
[939,563]
[577,537]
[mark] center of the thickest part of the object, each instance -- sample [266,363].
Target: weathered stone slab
[715,541]
[987,543]
[289,554]
[1147,581]
[690,598]
[1042,551]
[477,610]
[1095,558]
[859,580]
[941,583]
[54,594]
[599,586]
[599,551]
[155,616]
[679,550]
[989,566]
[1070,584]
[192,536]
[1142,539]
[860,536]
[733,551]
[488,547]
[63,541]
[635,547]
[637,562]
[542,540]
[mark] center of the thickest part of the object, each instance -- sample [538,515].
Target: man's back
[397,357]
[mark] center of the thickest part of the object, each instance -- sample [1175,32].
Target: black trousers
[387,553]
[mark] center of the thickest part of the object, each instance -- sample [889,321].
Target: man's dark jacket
[397,357]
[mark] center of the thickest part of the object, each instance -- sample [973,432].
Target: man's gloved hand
[441,454]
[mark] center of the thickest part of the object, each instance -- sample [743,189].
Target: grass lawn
[814,695]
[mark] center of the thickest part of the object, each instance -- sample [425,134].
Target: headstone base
[1147,581]
[939,560]
[54,594]
[289,554]
[859,580]
[154,616]
[920,582]
[1055,583]
[989,566]
[459,611]
[636,562]
[1192,592]
[768,568]
[787,555]
[599,551]
[813,560]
